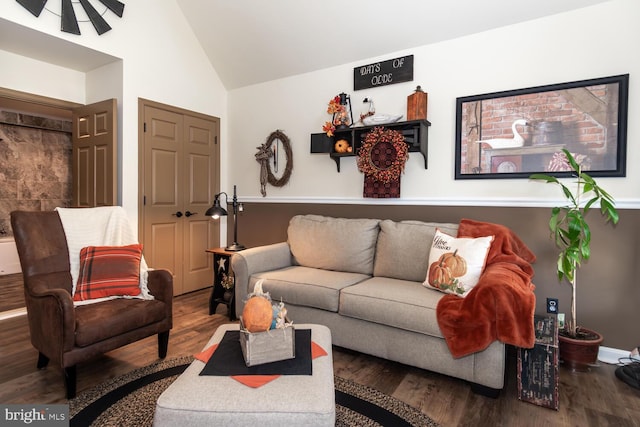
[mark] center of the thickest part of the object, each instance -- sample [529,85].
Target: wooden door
[162,215]
[200,151]
[94,154]
[180,175]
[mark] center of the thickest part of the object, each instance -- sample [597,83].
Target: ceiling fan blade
[96,19]
[33,6]
[114,6]
[68,21]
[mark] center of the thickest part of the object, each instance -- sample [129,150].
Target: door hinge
[144,127]
[144,200]
[215,140]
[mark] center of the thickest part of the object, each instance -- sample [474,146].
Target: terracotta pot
[580,354]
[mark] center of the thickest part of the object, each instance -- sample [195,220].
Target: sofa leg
[70,381]
[43,361]
[163,344]
[483,390]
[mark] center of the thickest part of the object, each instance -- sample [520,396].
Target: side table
[221,266]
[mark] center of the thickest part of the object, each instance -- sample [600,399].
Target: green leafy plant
[569,227]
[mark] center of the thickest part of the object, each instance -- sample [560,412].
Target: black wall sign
[383,73]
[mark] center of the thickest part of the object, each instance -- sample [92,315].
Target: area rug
[129,401]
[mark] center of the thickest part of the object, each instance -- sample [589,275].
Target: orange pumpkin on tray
[257,314]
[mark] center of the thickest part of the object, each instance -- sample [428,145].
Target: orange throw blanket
[501,306]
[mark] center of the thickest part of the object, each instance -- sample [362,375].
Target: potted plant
[571,233]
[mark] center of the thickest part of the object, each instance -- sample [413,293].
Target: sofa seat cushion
[104,320]
[399,303]
[337,244]
[310,287]
[402,250]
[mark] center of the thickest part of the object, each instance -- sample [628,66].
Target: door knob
[188,214]
[178,214]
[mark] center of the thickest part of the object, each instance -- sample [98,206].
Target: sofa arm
[255,260]
[160,284]
[52,317]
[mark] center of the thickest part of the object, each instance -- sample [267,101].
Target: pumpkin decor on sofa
[444,273]
[455,264]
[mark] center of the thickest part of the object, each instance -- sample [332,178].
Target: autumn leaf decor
[394,166]
[336,110]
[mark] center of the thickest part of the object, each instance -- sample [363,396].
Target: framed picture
[516,133]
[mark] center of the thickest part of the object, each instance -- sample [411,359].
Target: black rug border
[94,409]
[370,410]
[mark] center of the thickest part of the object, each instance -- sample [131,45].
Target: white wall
[161,60]
[583,44]
[26,75]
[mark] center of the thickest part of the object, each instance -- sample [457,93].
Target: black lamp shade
[216,211]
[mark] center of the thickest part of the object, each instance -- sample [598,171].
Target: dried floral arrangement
[373,138]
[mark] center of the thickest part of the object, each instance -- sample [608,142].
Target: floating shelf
[415,132]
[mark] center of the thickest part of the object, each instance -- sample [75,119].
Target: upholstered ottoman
[296,400]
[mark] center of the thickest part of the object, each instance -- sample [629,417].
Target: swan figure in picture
[516,141]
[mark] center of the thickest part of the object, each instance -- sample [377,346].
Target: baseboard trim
[9,314]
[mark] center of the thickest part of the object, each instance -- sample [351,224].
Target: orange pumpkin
[455,263]
[257,314]
[341,146]
[439,274]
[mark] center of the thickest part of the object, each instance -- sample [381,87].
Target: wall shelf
[415,132]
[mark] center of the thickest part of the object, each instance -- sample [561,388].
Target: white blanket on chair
[101,226]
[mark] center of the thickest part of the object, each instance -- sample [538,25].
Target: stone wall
[35,164]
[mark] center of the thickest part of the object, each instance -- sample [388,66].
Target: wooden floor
[588,399]
[11,293]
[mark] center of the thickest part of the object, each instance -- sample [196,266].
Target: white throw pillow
[456,263]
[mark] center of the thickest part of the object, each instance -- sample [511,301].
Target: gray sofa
[363,279]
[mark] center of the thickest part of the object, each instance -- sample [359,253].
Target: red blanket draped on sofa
[501,305]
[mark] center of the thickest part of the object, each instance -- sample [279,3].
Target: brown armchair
[69,335]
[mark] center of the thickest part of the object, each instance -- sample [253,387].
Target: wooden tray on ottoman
[269,346]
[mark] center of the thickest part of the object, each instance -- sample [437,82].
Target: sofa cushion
[338,244]
[107,319]
[398,303]
[455,264]
[403,248]
[310,287]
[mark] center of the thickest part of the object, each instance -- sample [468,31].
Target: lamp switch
[552,305]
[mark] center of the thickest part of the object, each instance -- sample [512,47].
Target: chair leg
[163,344]
[43,361]
[70,381]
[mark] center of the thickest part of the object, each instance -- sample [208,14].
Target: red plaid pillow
[108,271]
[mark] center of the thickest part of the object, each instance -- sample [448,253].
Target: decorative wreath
[265,152]
[366,164]
[278,134]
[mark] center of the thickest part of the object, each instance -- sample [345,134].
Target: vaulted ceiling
[253,41]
